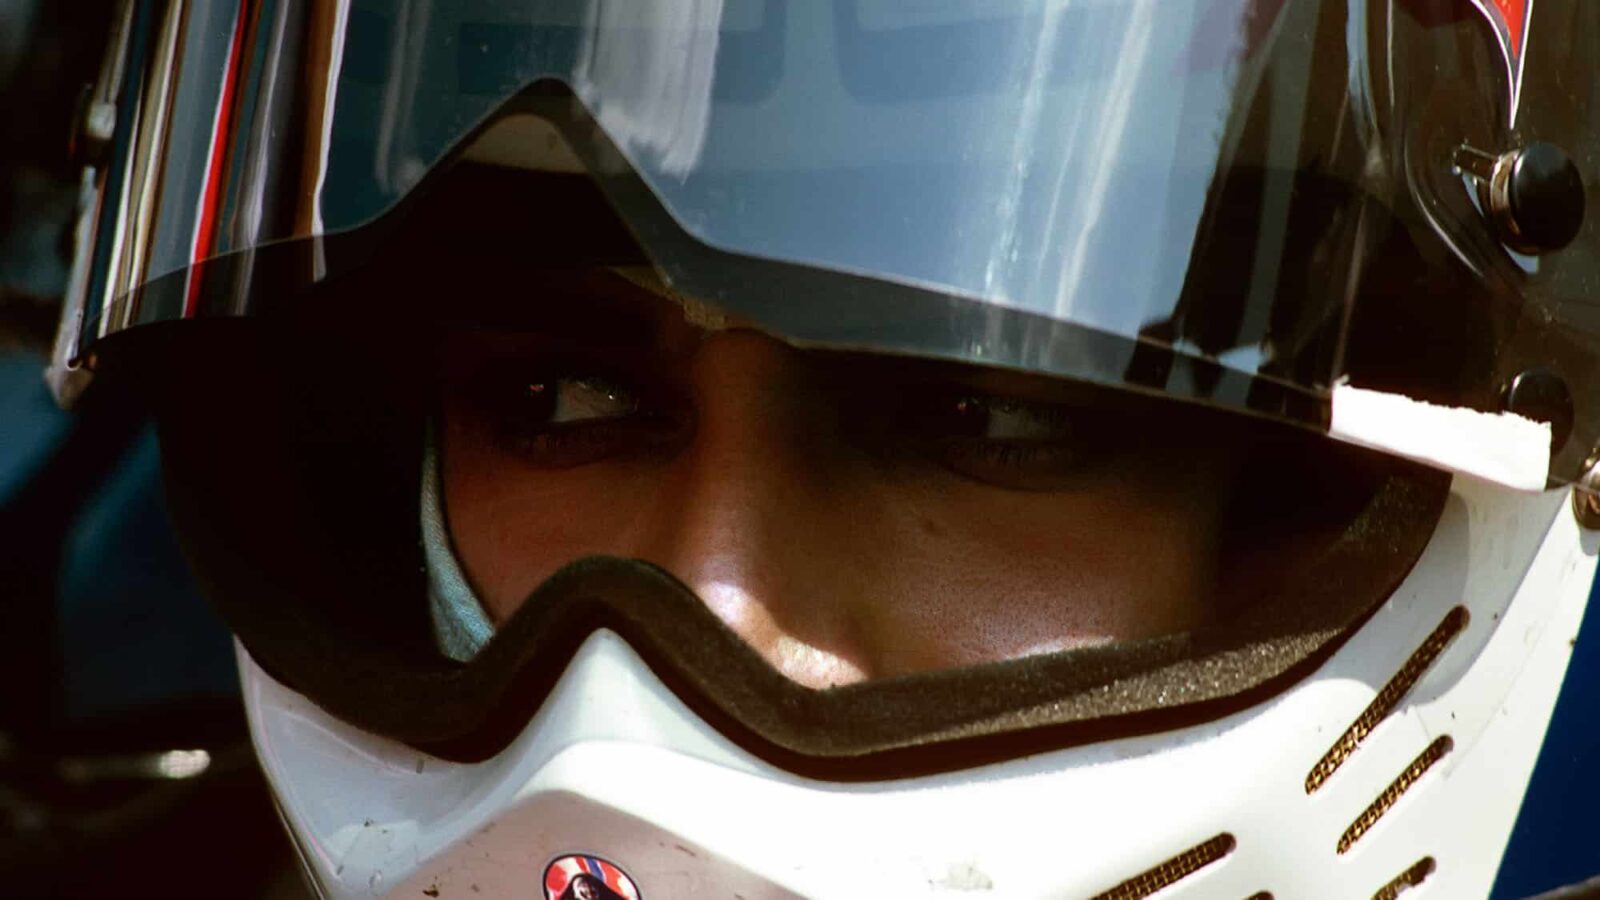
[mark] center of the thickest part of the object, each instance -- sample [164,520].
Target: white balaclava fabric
[459,623]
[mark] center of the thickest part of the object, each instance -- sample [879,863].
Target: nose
[754,519]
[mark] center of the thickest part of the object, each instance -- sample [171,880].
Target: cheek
[513,525]
[984,575]
[908,572]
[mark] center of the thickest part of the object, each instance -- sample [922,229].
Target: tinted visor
[923,212]
[1233,201]
[853,562]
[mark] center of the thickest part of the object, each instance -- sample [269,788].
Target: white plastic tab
[1503,448]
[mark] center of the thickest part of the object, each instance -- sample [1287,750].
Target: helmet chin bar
[616,765]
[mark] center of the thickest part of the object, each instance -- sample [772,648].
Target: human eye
[565,418]
[563,400]
[1008,442]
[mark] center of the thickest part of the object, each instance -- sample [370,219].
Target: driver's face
[583,890]
[851,518]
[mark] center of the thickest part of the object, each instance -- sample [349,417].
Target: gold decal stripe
[1173,870]
[1388,698]
[1391,794]
[1410,878]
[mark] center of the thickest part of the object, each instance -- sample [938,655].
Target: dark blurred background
[125,766]
[124,761]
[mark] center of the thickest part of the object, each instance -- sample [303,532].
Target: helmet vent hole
[1410,878]
[1388,698]
[1391,794]
[1173,870]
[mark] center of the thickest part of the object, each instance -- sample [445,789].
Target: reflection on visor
[1237,202]
[1015,153]
[794,539]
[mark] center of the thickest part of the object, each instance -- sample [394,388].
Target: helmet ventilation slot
[1173,870]
[1388,698]
[1410,878]
[1391,794]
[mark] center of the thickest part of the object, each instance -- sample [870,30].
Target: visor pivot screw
[1534,195]
[1541,394]
[1586,495]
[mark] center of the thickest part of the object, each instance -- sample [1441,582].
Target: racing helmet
[1318,269]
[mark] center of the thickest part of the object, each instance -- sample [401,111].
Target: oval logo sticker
[582,877]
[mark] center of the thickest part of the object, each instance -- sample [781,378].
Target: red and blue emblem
[1509,19]
[579,876]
